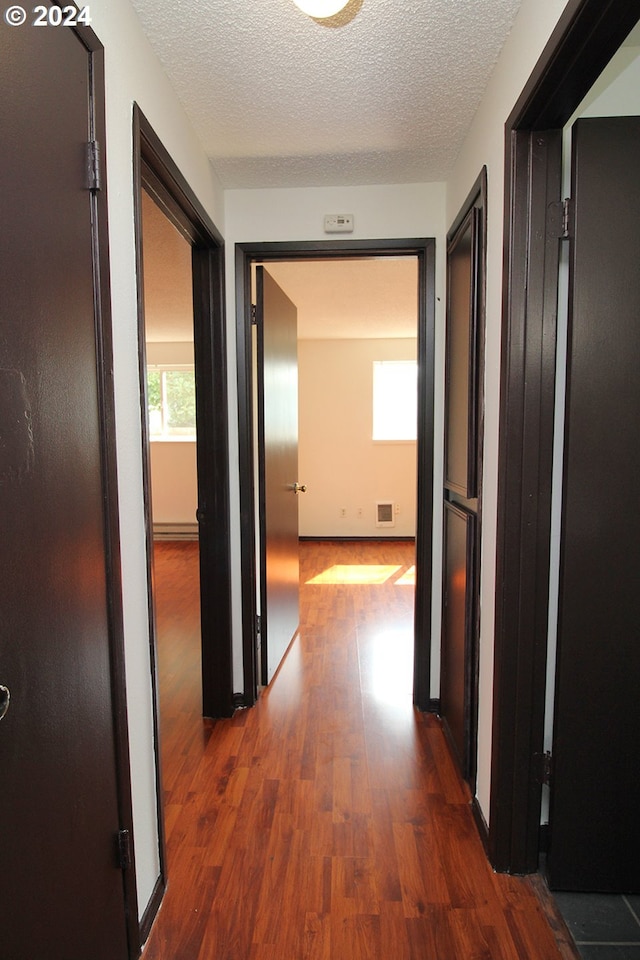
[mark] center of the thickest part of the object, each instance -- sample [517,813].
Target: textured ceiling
[382,93]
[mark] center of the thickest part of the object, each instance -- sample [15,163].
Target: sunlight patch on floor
[407,579]
[354,573]
[390,668]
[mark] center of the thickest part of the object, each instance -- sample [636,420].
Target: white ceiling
[351,299]
[387,95]
[168,294]
[340,299]
[383,93]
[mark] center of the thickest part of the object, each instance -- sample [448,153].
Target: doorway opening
[168,366]
[169,375]
[193,428]
[283,260]
[587,36]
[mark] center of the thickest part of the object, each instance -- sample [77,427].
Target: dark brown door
[278,437]
[462,476]
[458,616]
[595,812]
[61,888]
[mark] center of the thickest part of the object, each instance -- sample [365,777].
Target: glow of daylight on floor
[407,579]
[390,671]
[367,574]
[357,573]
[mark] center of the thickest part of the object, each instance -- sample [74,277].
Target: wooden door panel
[462,414]
[457,682]
[595,828]
[61,889]
[278,417]
[462,479]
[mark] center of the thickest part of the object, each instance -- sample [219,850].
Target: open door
[277,323]
[250,523]
[595,783]
[61,882]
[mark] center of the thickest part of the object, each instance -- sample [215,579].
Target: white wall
[133,73]
[616,92]
[174,482]
[340,463]
[168,352]
[380,212]
[343,468]
[485,145]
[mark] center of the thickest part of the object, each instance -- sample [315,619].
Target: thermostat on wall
[338,223]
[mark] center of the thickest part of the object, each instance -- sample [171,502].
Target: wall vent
[384,514]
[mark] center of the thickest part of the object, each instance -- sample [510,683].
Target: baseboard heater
[175,531]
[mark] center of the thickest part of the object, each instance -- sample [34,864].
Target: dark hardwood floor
[328,822]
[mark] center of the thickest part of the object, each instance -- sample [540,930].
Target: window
[172,403]
[395,399]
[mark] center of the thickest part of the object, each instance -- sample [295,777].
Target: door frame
[476,201]
[111,510]
[587,35]
[245,255]
[155,170]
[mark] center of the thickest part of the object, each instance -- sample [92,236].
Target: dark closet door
[277,319]
[461,386]
[61,888]
[462,478]
[595,812]
[457,690]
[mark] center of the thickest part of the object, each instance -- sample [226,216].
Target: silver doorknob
[299,487]
[5,697]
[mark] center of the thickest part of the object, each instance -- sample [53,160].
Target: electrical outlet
[397,508]
[360,512]
[343,511]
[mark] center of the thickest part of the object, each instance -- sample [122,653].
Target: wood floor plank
[328,822]
[316,943]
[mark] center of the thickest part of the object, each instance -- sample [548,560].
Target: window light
[395,399]
[172,403]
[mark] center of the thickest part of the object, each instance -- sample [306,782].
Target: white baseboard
[175,531]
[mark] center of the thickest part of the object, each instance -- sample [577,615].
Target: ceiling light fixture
[319,9]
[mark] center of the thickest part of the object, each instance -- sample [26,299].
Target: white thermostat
[338,223]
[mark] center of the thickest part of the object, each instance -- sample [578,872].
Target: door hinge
[124,849]
[258,625]
[94,180]
[254,315]
[543,767]
[560,220]
[567,219]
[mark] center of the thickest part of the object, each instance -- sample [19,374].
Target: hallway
[328,822]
